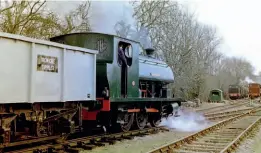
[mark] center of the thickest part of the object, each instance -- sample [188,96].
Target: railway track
[226,114]
[91,142]
[87,143]
[74,145]
[221,137]
[223,107]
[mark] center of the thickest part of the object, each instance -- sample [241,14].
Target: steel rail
[233,145]
[220,117]
[226,114]
[90,142]
[223,107]
[203,133]
[120,135]
[227,107]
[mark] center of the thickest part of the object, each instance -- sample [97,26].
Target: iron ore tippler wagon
[75,82]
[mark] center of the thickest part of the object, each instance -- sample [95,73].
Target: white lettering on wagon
[47,63]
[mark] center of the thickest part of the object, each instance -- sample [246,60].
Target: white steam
[188,121]
[105,15]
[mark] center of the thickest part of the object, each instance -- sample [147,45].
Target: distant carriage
[237,92]
[254,90]
[216,95]
[234,92]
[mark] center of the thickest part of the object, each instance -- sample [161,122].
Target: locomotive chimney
[149,51]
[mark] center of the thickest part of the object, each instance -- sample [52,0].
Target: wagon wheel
[126,121]
[141,119]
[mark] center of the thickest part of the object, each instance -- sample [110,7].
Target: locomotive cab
[124,60]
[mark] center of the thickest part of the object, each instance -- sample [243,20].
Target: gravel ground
[206,105]
[251,144]
[141,144]
[210,105]
[242,107]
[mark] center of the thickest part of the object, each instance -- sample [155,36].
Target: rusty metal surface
[221,137]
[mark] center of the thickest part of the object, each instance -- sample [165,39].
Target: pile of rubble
[195,103]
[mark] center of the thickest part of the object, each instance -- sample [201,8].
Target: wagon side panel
[14,66]
[80,76]
[47,73]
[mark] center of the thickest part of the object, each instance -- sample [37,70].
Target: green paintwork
[216,95]
[108,71]
[154,70]
[114,71]
[96,41]
[101,78]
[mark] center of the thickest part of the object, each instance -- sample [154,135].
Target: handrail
[153,62]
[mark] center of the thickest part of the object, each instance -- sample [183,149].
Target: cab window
[128,51]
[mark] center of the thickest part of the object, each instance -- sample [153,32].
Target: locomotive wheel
[127,119]
[154,119]
[141,119]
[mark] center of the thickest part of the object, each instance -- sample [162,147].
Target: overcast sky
[237,21]
[104,14]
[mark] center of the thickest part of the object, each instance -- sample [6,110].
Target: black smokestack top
[149,51]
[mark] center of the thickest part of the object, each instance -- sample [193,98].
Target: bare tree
[149,13]
[190,48]
[31,18]
[76,20]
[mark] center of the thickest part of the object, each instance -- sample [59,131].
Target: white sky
[104,14]
[237,21]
